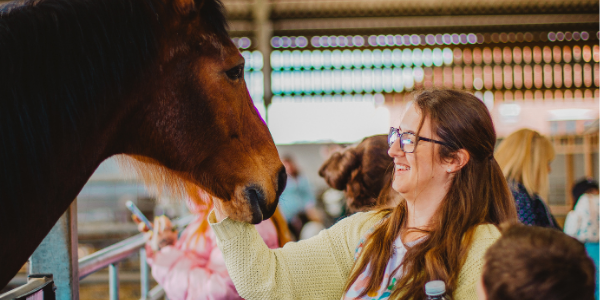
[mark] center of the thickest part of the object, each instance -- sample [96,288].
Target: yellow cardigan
[317,268]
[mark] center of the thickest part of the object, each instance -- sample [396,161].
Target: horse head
[194,115]
[158,80]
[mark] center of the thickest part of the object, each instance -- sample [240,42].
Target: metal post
[263,31]
[57,255]
[113,281]
[144,282]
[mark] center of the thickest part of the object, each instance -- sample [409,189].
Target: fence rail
[109,257]
[38,285]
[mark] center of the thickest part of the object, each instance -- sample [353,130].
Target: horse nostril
[281,181]
[257,200]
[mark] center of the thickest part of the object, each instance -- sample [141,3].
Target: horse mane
[161,181]
[158,179]
[63,62]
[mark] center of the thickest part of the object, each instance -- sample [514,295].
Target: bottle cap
[435,288]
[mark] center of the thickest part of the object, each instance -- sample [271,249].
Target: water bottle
[435,290]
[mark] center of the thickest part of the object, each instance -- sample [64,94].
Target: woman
[455,195]
[525,158]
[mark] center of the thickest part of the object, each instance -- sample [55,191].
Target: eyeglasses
[408,140]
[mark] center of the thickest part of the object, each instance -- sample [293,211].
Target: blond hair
[524,157]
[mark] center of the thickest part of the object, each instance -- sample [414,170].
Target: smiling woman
[454,194]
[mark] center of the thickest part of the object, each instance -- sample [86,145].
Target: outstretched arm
[315,268]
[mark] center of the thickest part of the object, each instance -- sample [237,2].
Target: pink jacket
[194,268]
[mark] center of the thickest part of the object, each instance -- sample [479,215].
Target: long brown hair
[478,195]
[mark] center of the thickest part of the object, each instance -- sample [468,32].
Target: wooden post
[569,178]
[263,32]
[587,156]
[57,255]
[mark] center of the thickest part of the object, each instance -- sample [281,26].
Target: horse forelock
[212,13]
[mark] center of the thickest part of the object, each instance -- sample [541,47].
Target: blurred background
[327,73]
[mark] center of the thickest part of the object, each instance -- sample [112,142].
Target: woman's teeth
[402,168]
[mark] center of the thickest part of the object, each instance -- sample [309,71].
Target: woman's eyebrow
[409,131]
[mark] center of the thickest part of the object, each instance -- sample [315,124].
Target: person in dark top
[531,210]
[525,157]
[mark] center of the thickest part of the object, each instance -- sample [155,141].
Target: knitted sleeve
[316,268]
[485,236]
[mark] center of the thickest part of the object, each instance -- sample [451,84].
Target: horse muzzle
[257,199]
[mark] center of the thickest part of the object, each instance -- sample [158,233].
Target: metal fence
[107,257]
[112,255]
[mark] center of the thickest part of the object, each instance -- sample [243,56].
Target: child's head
[531,263]
[584,186]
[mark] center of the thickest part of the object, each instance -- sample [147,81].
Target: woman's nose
[395,149]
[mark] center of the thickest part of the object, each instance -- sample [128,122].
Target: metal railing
[107,257]
[112,255]
[38,286]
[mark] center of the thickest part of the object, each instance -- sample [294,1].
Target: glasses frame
[396,131]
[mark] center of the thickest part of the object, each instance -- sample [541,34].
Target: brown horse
[160,80]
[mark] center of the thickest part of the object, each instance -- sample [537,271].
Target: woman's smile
[402,167]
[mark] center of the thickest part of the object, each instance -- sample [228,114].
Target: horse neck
[72,157]
[60,89]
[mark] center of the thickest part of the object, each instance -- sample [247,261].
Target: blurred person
[190,266]
[297,202]
[334,205]
[583,221]
[525,158]
[536,263]
[363,172]
[454,195]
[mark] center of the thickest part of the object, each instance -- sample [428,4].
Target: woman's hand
[219,212]
[166,234]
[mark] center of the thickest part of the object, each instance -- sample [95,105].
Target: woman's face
[415,172]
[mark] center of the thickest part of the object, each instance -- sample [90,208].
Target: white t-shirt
[582,222]
[388,283]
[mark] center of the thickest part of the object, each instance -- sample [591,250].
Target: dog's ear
[337,169]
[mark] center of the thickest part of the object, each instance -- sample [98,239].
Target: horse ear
[185,7]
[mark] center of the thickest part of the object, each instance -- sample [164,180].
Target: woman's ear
[460,159]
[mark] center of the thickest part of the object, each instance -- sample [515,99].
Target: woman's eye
[235,73]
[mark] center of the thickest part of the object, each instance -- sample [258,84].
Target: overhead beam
[420,22]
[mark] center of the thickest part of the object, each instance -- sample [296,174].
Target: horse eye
[236,72]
